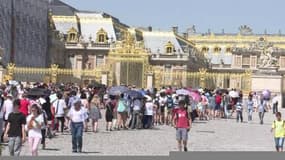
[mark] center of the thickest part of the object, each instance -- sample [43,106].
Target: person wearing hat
[77,116]
[148,114]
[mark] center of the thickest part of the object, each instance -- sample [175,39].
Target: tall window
[78,63]
[253,61]
[245,60]
[238,61]
[282,62]
[90,63]
[99,60]
[167,75]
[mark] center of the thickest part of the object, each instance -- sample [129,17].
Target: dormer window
[169,48]
[228,50]
[217,49]
[205,50]
[72,35]
[102,36]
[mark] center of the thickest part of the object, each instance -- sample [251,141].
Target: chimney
[185,35]
[150,28]
[175,29]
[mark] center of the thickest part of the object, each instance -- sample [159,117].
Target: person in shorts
[278,126]
[182,122]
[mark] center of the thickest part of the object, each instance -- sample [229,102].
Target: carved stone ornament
[245,30]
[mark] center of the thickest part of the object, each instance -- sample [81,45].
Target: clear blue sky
[204,14]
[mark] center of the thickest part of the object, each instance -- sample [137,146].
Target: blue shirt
[250,104]
[261,106]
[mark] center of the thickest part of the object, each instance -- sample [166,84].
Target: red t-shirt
[24,104]
[182,118]
[218,99]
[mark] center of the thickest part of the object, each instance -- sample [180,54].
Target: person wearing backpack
[278,126]
[109,114]
[182,122]
[169,105]
[122,113]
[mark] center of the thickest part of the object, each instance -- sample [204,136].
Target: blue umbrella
[117,90]
[142,92]
[134,94]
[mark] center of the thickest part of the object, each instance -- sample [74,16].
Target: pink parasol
[195,95]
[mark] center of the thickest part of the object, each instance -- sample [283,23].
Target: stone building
[24,32]
[94,40]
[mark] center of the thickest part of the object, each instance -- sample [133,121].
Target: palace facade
[94,40]
[225,51]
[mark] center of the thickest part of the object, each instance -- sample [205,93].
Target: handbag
[121,107]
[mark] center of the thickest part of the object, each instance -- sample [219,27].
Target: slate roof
[155,40]
[91,23]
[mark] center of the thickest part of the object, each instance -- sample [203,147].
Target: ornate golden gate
[52,74]
[136,71]
[128,62]
[204,79]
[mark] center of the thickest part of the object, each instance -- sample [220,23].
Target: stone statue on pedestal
[266,58]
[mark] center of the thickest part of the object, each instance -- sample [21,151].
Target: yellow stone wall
[225,41]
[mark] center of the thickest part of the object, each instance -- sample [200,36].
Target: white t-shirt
[148,109]
[7,108]
[274,100]
[162,101]
[59,106]
[77,116]
[35,132]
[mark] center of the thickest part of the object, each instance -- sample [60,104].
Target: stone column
[149,80]
[54,68]
[104,78]
[202,73]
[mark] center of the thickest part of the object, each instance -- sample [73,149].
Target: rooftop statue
[245,30]
[266,58]
[61,36]
[192,30]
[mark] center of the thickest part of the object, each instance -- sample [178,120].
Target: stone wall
[31,31]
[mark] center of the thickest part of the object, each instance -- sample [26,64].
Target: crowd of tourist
[43,110]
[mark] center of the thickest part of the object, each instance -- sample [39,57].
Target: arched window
[101,36]
[228,50]
[217,49]
[72,35]
[169,48]
[205,50]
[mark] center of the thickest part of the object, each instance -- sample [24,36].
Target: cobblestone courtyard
[214,135]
